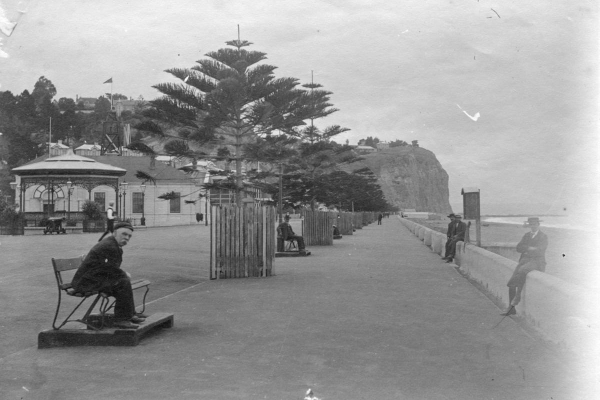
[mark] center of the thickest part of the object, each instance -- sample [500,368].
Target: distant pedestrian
[532,247]
[110,220]
[379,218]
[458,235]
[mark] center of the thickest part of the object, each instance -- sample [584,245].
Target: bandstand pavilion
[42,184]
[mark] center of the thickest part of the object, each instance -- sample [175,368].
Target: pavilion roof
[68,164]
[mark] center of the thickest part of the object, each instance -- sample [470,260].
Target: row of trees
[229,106]
[25,120]
[234,107]
[372,141]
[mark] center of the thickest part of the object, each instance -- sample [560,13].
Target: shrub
[91,211]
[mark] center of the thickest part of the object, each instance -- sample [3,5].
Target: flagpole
[111,96]
[50,137]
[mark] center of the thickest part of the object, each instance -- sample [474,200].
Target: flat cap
[123,224]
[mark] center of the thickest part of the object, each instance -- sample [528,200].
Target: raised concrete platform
[291,254]
[106,337]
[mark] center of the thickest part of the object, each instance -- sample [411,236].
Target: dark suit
[458,231]
[101,271]
[529,260]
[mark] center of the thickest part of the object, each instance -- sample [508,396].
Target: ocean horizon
[550,221]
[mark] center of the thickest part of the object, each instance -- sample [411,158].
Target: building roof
[163,173]
[127,167]
[87,146]
[68,164]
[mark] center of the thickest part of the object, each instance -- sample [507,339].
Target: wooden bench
[94,322]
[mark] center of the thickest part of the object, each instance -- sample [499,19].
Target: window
[138,202]
[100,199]
[175,206]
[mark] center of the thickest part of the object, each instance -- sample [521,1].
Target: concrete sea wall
[563,313]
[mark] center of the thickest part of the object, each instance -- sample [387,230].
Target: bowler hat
[123,224]
[451,216]
[533,220]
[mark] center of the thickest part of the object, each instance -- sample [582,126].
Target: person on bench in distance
[101,271]
[285,231]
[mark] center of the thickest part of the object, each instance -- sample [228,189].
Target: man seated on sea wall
[285,232]
[449,234]
[532,247]
[458,235]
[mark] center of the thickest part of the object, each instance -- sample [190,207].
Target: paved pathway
[375,316]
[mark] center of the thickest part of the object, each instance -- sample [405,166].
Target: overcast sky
[398,70]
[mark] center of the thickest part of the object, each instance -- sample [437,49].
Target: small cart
[54,224]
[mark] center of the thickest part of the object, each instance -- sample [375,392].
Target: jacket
[101,268]
[540,242]
[285,231]
[460,228]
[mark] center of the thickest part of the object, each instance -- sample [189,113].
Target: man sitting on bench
[101,271]
[285,231]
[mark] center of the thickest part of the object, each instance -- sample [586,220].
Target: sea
[552,221]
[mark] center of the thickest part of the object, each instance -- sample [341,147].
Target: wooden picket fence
[242,241]
[318,227]
[344,222]
[369,217]
[357,220]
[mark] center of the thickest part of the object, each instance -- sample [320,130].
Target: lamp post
[124,189]
[14,186]
[69,191]
[143,189]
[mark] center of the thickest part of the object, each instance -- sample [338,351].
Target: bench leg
[144,300]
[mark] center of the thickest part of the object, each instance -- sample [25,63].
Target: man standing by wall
[532,247]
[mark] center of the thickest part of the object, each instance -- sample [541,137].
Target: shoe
[448,260]
[125,325]
[510,311]
[137,320]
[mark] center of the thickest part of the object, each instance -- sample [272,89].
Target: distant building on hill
[364,149]
[383,145]
[87,103]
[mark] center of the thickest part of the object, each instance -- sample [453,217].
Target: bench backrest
[65,264]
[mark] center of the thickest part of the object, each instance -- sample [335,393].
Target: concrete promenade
[375,316]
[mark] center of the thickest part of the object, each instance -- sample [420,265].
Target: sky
[409,70]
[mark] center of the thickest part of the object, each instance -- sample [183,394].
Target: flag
[108,81]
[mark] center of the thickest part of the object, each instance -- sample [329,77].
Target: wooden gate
[318,228]
[242,242]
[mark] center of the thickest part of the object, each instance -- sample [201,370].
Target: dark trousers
[517,280]
[448,243]
[124,304]
[451,247]
[298,239]
[110,227]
